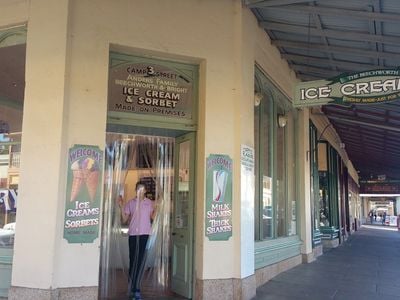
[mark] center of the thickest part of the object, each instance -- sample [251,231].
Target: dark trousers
[137,247]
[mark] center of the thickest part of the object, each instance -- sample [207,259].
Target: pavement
[366,266]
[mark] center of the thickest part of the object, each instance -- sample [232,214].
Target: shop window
[275,205]
[12,66]
[323,205]
[325,183]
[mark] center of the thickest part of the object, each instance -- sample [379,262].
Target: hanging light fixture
[282,120]
[257,98]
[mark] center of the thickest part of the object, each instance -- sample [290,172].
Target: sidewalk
[366,266]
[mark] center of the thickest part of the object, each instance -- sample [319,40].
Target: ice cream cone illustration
[77,182]
[84,171]
[92,181]
[220,180]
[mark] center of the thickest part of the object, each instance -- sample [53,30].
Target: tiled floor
[120,290]
[365,267]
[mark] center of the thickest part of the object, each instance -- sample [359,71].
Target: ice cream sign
[218,223]
[152,87]
[82,207]
[368,87]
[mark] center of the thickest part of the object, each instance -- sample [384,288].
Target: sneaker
[138,296]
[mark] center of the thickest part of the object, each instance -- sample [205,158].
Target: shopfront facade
[335,190]
[188,96]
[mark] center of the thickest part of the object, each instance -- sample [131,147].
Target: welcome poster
[82,204]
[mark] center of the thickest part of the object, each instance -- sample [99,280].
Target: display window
[325,183]
[12,83]
[275,186]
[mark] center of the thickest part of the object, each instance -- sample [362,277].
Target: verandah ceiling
[325,38]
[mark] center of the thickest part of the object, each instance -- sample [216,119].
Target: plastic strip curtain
[158,245]
[130,159]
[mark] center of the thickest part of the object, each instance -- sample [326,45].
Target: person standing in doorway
[384,218]
[140,211]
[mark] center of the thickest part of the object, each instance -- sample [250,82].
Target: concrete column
[42,179]
[303,160]
[397,206]
[235,258]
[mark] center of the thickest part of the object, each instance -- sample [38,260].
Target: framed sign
[218,222]
[149,86]
[82,203]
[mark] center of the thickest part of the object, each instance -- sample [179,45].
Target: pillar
[304,192]
[36,265]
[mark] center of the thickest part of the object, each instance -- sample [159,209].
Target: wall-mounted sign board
[368,87]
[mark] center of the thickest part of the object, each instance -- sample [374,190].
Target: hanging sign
[218,224]
[379,188]
[368,87]
[152,87]
[82,207]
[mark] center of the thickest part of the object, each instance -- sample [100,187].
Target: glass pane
[257,194]
[181,209]
[265,157]
[12,59]
[267,207]
[266,139]
[291,176]
[322,206]
[281,182]
[323,199]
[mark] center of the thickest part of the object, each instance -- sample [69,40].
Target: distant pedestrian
[384,218]
[371,216]
[375,216]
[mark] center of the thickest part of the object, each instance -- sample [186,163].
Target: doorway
[165,165]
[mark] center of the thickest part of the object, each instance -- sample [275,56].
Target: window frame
[276,103]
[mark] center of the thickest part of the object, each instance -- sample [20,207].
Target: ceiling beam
[339,13]
[371,162]
[372,144]
[335,49]
[309,77]
[365,123]
[330,33]
[377,150]
[368,158]
[320,61]
[355,135]
[367,115]
[379,169]
[373,141]
[327,73]
[374,112]
[269,3]
[392,107]
[318,23]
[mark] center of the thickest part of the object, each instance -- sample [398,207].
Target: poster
[247,159]
[218,222]
[82,203]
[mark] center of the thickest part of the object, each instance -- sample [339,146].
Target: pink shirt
[140,216]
